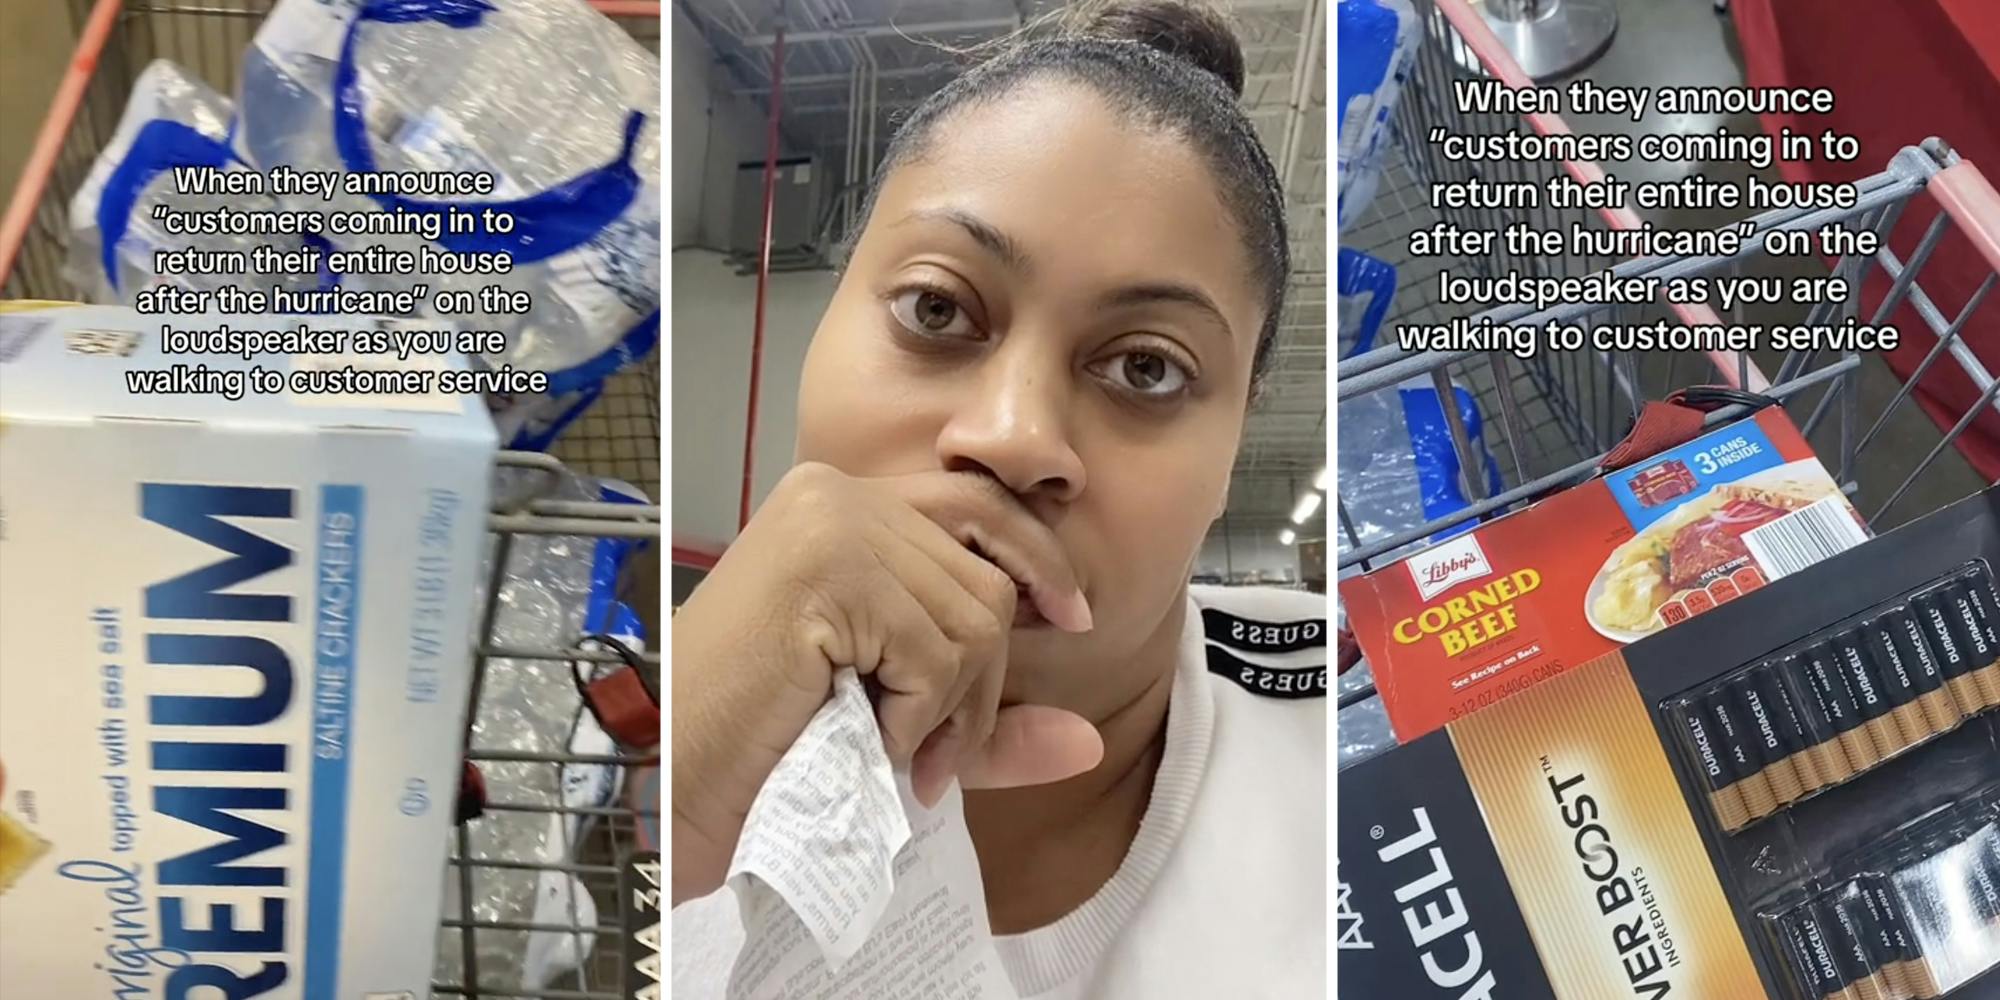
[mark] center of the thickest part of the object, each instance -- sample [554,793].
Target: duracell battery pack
[1975,590]
[1842,699]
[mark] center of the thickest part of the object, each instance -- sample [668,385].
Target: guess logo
[1438,569]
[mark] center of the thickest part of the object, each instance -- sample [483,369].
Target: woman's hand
[914,582]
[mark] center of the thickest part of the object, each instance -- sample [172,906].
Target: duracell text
[1434,913]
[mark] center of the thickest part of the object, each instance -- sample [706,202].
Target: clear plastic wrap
[1398,466]
[554,100]
[1367,288]
[556,590]
[1914,917]
[1377,469]
[172,120]
[1362,729]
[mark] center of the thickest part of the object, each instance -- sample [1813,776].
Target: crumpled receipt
[847,887]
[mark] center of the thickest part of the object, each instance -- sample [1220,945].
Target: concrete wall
[713,130]
[712,318]
[713,311]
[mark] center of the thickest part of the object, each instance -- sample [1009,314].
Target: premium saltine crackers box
[234,658]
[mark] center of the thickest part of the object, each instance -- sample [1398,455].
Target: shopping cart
[618,438]
[1549,420]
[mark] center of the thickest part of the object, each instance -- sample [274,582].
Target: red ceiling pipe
[763,267]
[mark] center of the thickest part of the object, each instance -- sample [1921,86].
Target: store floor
[1686,43]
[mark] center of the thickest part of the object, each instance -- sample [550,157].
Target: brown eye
[1147,373]
[1144,371]
[930,314]
[935,311]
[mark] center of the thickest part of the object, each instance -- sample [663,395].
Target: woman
[1017,421]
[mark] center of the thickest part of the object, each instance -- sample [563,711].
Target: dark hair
[1165,64]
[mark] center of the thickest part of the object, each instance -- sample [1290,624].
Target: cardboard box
[1564,843]
[1524,598]
[234,660]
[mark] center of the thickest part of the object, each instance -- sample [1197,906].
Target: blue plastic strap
[1360,274]
[1437,457]
[586,382]
[546,224]
[604,613]
[161,145]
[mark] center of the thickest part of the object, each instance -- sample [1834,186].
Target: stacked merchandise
[1792,796]
[1378,48]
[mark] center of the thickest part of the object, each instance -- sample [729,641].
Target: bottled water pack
[552,99]
[172,121]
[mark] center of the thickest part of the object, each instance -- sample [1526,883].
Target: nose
[1013,424]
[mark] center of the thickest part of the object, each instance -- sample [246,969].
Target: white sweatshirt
[1223,892]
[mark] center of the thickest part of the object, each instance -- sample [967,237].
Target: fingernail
[928,791]
[931,772]
[933,787]
[1078,613]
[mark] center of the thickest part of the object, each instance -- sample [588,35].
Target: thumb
[1033,745]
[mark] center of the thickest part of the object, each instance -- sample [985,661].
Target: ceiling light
[1287,537]
[1322,481]
[1307,504]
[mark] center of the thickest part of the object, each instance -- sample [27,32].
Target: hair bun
[1192,32]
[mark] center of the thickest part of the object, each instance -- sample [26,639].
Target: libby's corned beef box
[1526,597]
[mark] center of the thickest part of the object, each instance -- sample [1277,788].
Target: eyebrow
[1139,295]
[1014,256]
[982,232]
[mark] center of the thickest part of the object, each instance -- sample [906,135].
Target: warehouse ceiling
[854,67]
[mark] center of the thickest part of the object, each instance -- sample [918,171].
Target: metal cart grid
[618,437]
[1549,419]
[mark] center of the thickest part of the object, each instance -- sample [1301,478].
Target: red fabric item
[625,709]
[471,794]
[1901,72]
[1660,426]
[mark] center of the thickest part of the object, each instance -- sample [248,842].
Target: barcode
[1819,530]
[102,342]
